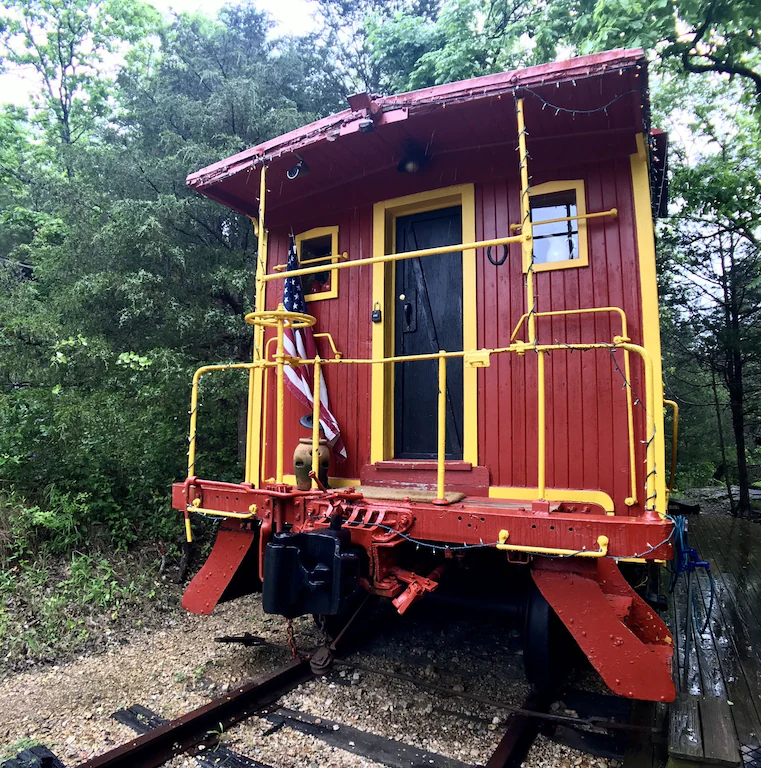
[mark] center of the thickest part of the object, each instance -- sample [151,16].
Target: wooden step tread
[702,732]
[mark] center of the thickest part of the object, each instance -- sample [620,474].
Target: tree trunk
[727,479]
[736,388]
[738,427]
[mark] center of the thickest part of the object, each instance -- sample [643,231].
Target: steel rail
[203,726]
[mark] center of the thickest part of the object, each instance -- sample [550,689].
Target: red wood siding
[586,405]
[347,318]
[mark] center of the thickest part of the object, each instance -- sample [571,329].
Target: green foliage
[68,43]
[55,606]
[9,751]
[135,282]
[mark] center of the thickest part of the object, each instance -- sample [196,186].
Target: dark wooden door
[428,319]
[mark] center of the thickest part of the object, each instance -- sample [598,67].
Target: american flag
[299,342]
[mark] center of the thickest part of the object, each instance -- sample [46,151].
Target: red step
[622,636]
[209,584]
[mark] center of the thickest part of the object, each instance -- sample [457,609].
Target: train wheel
[546,644]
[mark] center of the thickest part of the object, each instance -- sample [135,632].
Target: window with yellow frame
[317,247]
[560,239]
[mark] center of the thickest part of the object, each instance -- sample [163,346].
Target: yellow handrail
[612,212]
[674,438]
[627,373]
[587,310]
[324,259]
[602,543]
[196,507]
[396,257]
[325,335]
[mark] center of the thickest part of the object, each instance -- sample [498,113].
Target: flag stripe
[299,342]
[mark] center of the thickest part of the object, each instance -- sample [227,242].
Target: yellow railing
[602,543]
[395,257]
[280,319]
[632,500]
[477,358]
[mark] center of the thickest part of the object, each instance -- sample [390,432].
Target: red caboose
[468,273]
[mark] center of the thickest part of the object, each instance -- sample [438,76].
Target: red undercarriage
[622,636]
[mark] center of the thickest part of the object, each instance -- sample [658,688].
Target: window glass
[558,241]
[314,252]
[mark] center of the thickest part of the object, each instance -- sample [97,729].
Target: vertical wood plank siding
[586,405]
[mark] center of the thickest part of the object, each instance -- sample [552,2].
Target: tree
[136,280]
[713,254]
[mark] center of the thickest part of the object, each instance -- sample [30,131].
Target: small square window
[558,244]
[556,241]
[319,247]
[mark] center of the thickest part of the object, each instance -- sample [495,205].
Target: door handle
[408,311]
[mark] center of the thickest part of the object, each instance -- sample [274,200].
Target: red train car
[468,273]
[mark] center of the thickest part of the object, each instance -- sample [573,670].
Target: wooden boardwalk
[725,660]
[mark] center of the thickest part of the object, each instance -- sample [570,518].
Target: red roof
[597,93]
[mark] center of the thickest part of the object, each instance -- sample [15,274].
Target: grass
[8,751]
[57,606]
[66,588]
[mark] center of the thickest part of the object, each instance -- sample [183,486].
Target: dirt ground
[179,666]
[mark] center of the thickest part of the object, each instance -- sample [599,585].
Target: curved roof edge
[385,109]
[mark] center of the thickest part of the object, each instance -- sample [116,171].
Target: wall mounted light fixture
[413,160]
[300,169]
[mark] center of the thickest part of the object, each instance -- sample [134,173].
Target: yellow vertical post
[316,420]
[527,252]
[193,423]
[280,360]
[192,447]
[651,489]
[255,376]
[527,246]
[442,430]
[541,426]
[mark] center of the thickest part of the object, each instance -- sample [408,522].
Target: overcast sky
[292,17]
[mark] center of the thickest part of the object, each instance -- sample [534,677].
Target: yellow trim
[602,542]
[651,334]
[554,494]
[255,377]
[384,218]
[335,482]
[322,232]
[577,185]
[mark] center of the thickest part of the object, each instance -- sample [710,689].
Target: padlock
[377,315]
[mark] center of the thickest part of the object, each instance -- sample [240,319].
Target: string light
[390,105]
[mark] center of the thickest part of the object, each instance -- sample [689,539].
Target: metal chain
[289,634]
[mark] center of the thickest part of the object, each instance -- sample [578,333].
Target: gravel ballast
[179,667]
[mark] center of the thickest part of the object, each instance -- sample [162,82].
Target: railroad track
[198,733]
